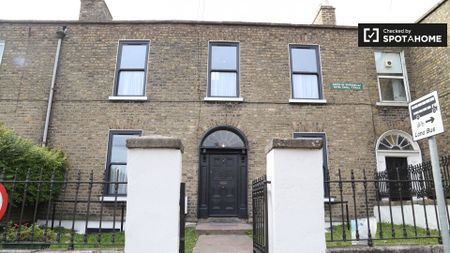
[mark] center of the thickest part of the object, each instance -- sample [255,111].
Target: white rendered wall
[408,215]
[295,201]
[154,177]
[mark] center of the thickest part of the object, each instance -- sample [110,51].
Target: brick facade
[430,71]
[177,85]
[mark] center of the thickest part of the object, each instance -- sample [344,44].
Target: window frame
[323,136]
[118,69]
[237,70]
[2,43]
[318,73]
[403,76]
[111,133]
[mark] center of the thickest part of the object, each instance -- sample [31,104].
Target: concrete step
[219,227]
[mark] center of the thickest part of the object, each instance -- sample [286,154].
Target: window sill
[394,104]
[223,99]
[307,101]
[127,98]
[112,198]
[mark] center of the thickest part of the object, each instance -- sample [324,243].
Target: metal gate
[260,216]
[182,216]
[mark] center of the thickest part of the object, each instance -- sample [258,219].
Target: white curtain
[118,173]
[131,83]
[223,84]
[305,86]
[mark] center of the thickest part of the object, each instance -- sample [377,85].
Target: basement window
[131,69]
[2,47]
[392,80]
[116,164]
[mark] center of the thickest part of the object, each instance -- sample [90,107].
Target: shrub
[28,232]
[19,157]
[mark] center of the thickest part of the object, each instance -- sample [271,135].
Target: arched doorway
[223,174]
[396,150]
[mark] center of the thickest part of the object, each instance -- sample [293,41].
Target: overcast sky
[348,12]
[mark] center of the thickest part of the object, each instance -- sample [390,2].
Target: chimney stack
[94,10]
[326,15]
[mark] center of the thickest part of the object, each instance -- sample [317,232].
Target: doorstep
[222,226]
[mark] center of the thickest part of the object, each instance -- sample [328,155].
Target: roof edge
[187,22]
[430,11]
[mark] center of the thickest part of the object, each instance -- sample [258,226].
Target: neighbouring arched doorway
[223,174]
[396,150]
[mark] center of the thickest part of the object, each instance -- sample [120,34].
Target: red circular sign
[3,200]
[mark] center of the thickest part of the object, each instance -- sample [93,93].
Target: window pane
[304,59]
[388,63]
[131,83]
[118,173]
[119,147]
[133,56]
[223,84]
[224,57]
[392,89]
[2,47]
[223,139]
[305,86]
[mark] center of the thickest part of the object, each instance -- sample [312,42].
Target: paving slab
[224,244]
[218,228]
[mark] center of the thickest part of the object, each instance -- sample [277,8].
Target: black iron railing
[182,216]
[398,204]
[62,213]
[260,216]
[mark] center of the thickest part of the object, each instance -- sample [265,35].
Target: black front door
[223,184]
[397,170]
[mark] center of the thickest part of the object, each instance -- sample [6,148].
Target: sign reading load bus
[425,115]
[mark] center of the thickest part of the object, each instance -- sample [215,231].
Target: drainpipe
[60,35]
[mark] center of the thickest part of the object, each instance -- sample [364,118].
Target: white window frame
[404,77]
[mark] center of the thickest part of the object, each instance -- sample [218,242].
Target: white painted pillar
[295,196]
[154,177]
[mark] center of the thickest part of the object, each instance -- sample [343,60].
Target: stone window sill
[307,101]
[127,98]
[112,198]
[393,104]
[223,99]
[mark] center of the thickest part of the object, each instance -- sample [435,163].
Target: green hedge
[19,157]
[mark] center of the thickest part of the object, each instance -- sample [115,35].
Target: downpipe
[60,35]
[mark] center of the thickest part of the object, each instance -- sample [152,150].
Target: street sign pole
[442,210]
[426,122]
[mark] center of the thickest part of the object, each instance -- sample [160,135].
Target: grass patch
[107,240]
[191,238]
[386,238]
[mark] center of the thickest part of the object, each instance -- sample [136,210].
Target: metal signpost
[426,122]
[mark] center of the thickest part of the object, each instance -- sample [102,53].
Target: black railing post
[260,215]
[369,233]
[182,217]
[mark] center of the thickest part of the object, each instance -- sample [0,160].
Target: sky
[348,12]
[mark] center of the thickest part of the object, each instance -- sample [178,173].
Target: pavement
[224,244]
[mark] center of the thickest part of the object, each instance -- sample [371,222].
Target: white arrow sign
[425,115]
